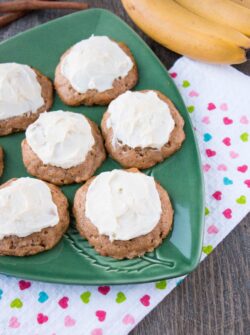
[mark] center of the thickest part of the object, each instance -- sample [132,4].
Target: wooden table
[214,299]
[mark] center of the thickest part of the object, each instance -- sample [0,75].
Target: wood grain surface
[214,299]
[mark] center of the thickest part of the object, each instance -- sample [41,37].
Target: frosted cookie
[63,148]
[123,214]
[34,216]
[142,128]
[1,161]
[24,94]
[95,71]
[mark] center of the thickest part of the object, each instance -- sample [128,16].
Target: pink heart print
[242,168]
[233,154]
[97,331]
[145,300]
[244,120]
[210,153]
[63,303]
[217,195]
[128,319]
[206,167]
[227,213]
[211,106]
[212,229]
[23,285]
[227,121]
[41,318]
[247,182]
[69,321]
[224,107]
[227,141]
[222,167]
[104,289]
[173,75]
[101,315]
[206,120]
[193,94]
[13,322]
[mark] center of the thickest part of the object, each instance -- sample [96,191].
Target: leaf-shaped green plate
[73,260]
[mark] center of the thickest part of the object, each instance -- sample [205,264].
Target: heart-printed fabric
[221,120]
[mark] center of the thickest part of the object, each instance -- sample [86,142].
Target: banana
[186,33]
[245,3]
[225,12]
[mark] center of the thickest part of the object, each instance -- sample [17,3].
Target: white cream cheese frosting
[95,63]
[26,207]
[123,205]
[20,92]
[140,119]
[61,139]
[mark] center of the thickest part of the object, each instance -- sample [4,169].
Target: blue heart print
[43,296]
[227,181]
[207,137]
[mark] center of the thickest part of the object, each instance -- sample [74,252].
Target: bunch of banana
[208,30]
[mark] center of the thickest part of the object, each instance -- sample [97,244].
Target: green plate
[73,260]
